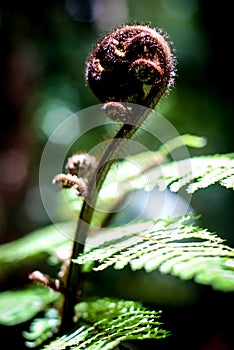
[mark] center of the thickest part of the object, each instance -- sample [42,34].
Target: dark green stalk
[74,280]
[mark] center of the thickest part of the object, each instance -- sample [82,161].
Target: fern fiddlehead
[133,64]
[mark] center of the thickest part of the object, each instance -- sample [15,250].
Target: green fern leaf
[228,182]
[195,173]
[105,323]
[17,306]
[41,329]
[205,171]
[172,246]
[26,250]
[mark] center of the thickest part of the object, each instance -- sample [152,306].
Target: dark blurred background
[44,46]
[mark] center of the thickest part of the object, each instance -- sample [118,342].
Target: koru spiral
[134,64]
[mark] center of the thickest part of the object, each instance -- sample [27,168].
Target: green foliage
[105,323]
[18,306]
[199,172]
[41,329]
[196,173]
[173,245]
[23,251]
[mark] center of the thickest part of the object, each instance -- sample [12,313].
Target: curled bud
[134,64]
[117,112]
[45,280]
[81,164]
[69,181]
[80,167]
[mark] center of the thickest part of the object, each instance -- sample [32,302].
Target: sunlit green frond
[195,173]
[24,250]
[172,246]
[135,165]
[104,323]
[200,173]
[17,306]
[228,182]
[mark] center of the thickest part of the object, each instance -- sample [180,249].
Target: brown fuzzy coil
[130,64]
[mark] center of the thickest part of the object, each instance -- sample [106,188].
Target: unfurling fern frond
[172,246]
[105,323]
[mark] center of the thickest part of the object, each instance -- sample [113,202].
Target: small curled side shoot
[80,167]
[69,181]
[45,280]
[134,64]
[81,164]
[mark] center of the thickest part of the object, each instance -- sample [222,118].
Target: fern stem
[74,280]
[160,65]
